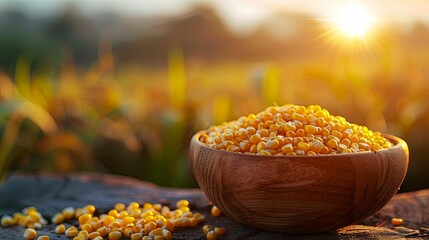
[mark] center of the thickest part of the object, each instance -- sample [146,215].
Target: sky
[239,14]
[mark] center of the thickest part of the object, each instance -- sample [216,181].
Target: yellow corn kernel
[303,146]
[264,152]
[147,238]
[7,221]
[272,144]
[103,231]
[71,232]
[114,225]
[115,235]
[169,225]
[159,238]
[397,221]
[311,129]
[107,220]
[30,233]
[120,207]
[150,226]
[44,237]
[332,143]
[200,217]
[337,134]
[346,150]
[78,212]
[233,148]
[60,229]
[113,213]
[85,218]
[211,235]
[98,238]
[90,209]
[219,231]
[68,213]
[167,234]
[156,232]
[127,220]
[127,232]
[93,235]
[287,148]
[87,227]
[58,218]
[182,203]
[206,228]
[193,222]
[254,139]
[263,132]
[84,234]
[133,205]
[136,236]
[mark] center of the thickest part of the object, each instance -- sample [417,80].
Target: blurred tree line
[200,32]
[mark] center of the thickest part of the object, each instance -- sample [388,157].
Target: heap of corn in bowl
[293,130]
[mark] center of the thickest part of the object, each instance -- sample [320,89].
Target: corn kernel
[303,146]
[93,235]
[30,233]
[397,221]
[103,231]
[115,235]
[219,231]
[206,228]
[68,213]
[211,235]
[7,221]
[44,237]
[85,218]
[71,232]
[60,229]
[136,236]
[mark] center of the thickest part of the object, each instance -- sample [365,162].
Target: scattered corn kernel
[211,235]
[93,235]
[58,218]
[397,221]
[206,228]
[44,237]
[7,221]
[135,221]
[215,212]
[60,229]
[219,231]
[30,233]
[85,218]
[71,232]
[182,203]
[68,213]
[313,129]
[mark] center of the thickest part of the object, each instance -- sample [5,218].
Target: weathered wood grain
[51,193]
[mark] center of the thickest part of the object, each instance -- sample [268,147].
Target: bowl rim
[397,141]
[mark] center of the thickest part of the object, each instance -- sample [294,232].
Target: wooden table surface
[50,193]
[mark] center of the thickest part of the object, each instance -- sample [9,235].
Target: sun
[353,20]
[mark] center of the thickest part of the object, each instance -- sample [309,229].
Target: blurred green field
[136,117]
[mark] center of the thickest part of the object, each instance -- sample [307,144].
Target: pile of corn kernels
[293,130]
[132,221]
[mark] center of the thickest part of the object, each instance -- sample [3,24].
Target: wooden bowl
[299,194]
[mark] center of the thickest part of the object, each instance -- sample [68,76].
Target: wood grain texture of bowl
[299,194]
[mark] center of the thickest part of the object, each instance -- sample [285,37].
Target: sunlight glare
[353,20]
